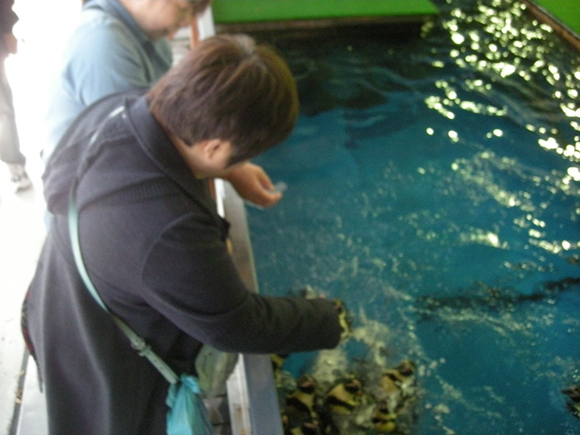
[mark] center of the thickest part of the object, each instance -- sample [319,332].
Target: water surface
[434,186]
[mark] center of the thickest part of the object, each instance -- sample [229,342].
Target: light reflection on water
[433,184]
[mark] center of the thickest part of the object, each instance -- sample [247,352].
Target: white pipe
[205,24]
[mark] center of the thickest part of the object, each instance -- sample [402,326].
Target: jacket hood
[74,148]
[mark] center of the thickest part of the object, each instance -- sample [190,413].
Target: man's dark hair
[228,88]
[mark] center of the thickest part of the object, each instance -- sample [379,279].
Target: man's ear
[213,148]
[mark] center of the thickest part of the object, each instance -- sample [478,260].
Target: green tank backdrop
[567,11]
[247,11]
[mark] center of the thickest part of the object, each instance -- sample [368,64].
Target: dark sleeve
[190,278]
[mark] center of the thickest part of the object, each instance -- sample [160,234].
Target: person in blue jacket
[154,245]
[120,45]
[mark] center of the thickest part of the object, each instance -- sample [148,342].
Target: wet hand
[344,319]
[253,184]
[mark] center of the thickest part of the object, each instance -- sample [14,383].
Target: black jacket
[155,249]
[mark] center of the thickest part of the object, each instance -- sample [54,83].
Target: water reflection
[433,184]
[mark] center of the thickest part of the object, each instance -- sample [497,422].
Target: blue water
[434,186]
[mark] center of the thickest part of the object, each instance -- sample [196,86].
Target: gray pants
[9,141]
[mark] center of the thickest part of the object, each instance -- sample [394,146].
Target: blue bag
[187,413]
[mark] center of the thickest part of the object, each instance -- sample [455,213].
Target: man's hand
[254,185]
[344,318]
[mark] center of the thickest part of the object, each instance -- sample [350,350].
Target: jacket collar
[157,145]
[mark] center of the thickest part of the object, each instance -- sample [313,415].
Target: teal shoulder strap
[136,341]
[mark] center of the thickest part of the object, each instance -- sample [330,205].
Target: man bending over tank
[153,244]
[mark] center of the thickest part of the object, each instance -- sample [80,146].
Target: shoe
[19,177]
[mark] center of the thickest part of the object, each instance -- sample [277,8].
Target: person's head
[159,18]
[228,89]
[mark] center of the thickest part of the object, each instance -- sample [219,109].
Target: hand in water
[344,318]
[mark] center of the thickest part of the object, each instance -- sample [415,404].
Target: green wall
[243,11]
[567,11]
